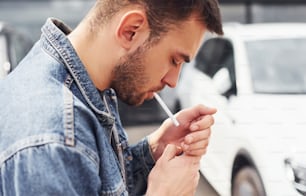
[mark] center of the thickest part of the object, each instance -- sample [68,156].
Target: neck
[96,53]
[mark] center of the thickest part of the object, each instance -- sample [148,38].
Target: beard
[130,79]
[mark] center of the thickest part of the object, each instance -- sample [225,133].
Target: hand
[174,175]
[191,136]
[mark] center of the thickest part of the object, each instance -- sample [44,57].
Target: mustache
[159,88]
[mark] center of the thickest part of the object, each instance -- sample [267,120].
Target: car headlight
[296,173]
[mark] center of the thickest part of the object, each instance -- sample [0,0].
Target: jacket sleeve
[142,163]
[49,169]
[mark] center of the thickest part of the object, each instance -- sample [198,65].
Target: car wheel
[247,182]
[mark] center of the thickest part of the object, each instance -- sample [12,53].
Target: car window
[217,53]
[278,65]
[19,46]
[213,55]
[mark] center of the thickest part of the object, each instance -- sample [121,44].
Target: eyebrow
[185,57]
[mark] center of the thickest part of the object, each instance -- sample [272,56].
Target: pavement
[135,133]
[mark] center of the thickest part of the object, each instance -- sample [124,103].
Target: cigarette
[164,106]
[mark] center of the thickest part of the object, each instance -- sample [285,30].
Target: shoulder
[46,167]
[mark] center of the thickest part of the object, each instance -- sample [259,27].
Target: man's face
[130,78]
[148,69]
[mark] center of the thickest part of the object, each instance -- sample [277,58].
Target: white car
[255,75]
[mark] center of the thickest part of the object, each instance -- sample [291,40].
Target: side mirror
[222,81]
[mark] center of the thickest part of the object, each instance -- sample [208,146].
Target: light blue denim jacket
[58,134]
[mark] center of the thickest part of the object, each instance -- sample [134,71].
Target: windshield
[278,65]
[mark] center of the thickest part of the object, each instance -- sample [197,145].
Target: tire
[247,182]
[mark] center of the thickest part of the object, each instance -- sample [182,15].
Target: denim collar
[55,33]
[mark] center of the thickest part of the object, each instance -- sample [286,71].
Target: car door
[215,61]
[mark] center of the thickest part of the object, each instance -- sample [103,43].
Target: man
[59,127]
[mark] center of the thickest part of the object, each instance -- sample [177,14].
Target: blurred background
[27,17]
[20,23]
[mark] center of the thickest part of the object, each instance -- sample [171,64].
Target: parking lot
[255,75]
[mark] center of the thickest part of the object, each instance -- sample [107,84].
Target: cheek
[156,72]
[157,66]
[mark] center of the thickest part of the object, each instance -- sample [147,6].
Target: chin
[133,100]
[140,101]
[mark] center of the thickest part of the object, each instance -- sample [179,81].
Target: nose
[171,77]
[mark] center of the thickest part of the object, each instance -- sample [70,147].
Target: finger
[197,136]
[196,152]
[203,122]
[196,149]
[170,152]
[196,145]
[192,161]
[201,110]
[195,112]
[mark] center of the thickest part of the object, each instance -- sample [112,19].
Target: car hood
[277,122]
[270,108]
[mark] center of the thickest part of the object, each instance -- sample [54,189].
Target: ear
[132,30]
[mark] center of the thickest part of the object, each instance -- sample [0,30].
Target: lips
[151,92]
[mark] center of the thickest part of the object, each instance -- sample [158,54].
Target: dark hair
[162,14]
